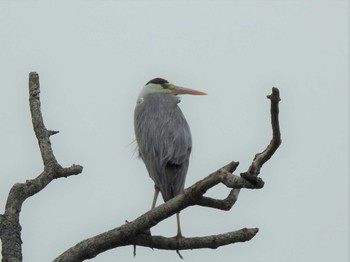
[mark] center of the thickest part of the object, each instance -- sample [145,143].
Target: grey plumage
[164,138]
[164,141]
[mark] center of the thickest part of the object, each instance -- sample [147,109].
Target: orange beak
[182,90]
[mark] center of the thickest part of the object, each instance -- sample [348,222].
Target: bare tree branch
[261,158]
[264,156]
[213,241]
[223,204]
[10,228]
[133,233]
[128,233]
[40,130]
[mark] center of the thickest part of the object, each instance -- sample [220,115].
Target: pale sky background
[93,59]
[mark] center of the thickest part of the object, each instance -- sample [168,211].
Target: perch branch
[213,241]
[132,233]
[10,228]
[129,233]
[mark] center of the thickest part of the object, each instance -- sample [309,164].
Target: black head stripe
[158,81]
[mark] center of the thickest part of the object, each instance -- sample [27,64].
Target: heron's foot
[179,237]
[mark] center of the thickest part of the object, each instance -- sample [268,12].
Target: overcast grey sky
[93,58]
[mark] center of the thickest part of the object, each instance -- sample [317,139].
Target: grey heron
[163,138]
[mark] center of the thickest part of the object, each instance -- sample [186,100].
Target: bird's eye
[165,85]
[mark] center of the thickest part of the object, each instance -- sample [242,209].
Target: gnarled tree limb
[128,234]
[261,158]
[133,233]
[10,228]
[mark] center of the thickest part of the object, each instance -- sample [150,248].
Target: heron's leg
[155,196]
[156,193]
[179,234]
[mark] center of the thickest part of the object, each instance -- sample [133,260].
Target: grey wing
[165,144]
[177,143]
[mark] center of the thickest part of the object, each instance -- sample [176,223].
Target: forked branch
[10,228]
[133,233]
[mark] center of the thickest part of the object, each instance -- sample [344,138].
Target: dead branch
[129,233]
[133,233]
[10,228]
[261,158]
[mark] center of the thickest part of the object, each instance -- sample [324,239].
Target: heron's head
[160,85]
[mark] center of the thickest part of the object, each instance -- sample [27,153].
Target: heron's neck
[159,99]
[148,89]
